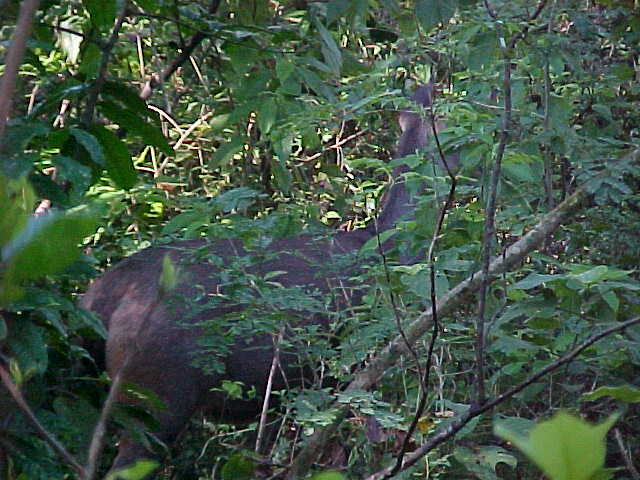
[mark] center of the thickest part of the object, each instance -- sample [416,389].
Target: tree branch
[13,59]
[159,78]
[42,432]
[456,426]
[501,263]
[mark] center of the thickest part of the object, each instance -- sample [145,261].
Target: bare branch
[424,378]
[489,227]
[159,78]
[456,426]
[13,59]
[501,263]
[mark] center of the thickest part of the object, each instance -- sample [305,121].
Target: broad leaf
[564,447]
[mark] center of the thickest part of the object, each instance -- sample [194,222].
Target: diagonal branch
[501,263]
[42,432]
[159,78]
[456,426]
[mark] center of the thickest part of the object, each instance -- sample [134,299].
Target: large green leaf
[432,12]
[46,245]
[90,144]
[102,12]
[16,204]
[624,393]
[119,162]
[136,124]
[564,447]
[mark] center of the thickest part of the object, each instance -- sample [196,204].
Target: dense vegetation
[133,123]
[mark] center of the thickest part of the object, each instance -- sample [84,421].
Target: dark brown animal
[148,347]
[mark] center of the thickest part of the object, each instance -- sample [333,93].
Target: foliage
[282,120]
[564,447]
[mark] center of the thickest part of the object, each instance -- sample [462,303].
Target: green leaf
[129,99]
[239,198]
[149,5]
[330,50]
[90,144]
[133,122]
[77,174]
[328,476]
[372,243]
[624,393]
[267,114]
[119,163]
[46,245]
[16,204]
[102,12]
[482,461]
[612,300]
[564,447]
[432,12]
[91,57]
[238,467]
[226,151]
[139,470]
[483,51]
[169,277]
[534,280]
[29,347]
[593,275]
[183,220]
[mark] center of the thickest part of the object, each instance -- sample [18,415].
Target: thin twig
[473,412]
[336,145]
[489,228]
[375,369]
[158,79]
[100,430]
[424,377]
[275,362]
[626,455]
[42,432]
[92,100]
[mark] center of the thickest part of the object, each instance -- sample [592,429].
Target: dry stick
[513,255]
[275,361]
[456,426]
[13,58]
[40,430]
[626,455]
[97,439]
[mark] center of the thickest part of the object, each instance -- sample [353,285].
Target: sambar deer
[148,344]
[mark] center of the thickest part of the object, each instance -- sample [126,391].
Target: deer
[149,347]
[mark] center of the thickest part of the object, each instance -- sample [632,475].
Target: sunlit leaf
[624,393]
[564,447]
[139,470]
[118,162]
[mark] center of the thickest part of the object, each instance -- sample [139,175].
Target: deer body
[148,345]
